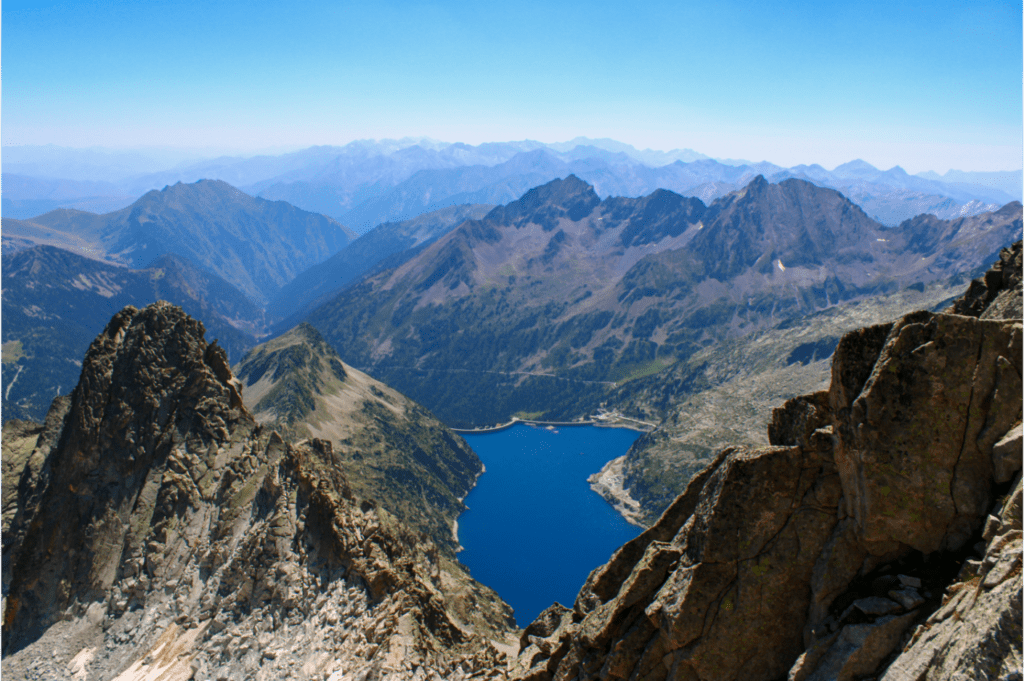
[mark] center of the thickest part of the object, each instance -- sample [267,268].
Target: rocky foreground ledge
[879,537]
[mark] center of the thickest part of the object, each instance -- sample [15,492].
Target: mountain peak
[570,197]
[758,183]
[855,167]
[307,332]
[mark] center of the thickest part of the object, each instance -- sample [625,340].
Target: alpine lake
[534,529]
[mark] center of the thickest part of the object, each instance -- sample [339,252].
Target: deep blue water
[534,529]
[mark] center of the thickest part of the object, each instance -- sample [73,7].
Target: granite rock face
[162,533]
[977,632]
[815,558]
[914,448]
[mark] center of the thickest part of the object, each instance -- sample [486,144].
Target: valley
[318,437]
[675,314]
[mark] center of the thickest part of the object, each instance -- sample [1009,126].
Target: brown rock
[795,423]
[836,566]
[914,451]
[997,295]
[1006,455]
[977,633]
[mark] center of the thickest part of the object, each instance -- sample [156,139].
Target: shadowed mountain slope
[387,244]
[54,304]
[254,244]
[392,449]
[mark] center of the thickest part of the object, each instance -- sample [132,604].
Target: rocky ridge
[878,536]
[160,532]
[255,245]
[392,450]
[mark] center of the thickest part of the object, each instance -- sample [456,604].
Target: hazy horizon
[932,86]
[183,156]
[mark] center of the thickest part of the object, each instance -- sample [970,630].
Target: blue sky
[926,85]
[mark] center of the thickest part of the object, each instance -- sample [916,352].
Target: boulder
[1006,455]
[856,651]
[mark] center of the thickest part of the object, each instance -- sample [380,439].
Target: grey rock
[1006,455]
[908,597]
[860,648]
[875,605]
[992,525]
[907,580]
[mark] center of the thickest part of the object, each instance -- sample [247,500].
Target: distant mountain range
[366,183]
[548,300]
[256,245]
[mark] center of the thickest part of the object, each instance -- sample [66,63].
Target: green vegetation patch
[624,374]
[12,351]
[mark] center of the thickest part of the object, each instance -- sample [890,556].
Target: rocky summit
[160,532]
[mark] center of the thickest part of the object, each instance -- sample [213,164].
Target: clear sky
[928,85]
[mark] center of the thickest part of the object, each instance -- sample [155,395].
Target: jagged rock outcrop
[814,558]
[160,532]
[998,295]
[392,449]
[26,446]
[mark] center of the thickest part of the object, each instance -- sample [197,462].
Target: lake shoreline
[535,515]
[608,482]
[462,500]
[613,420]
